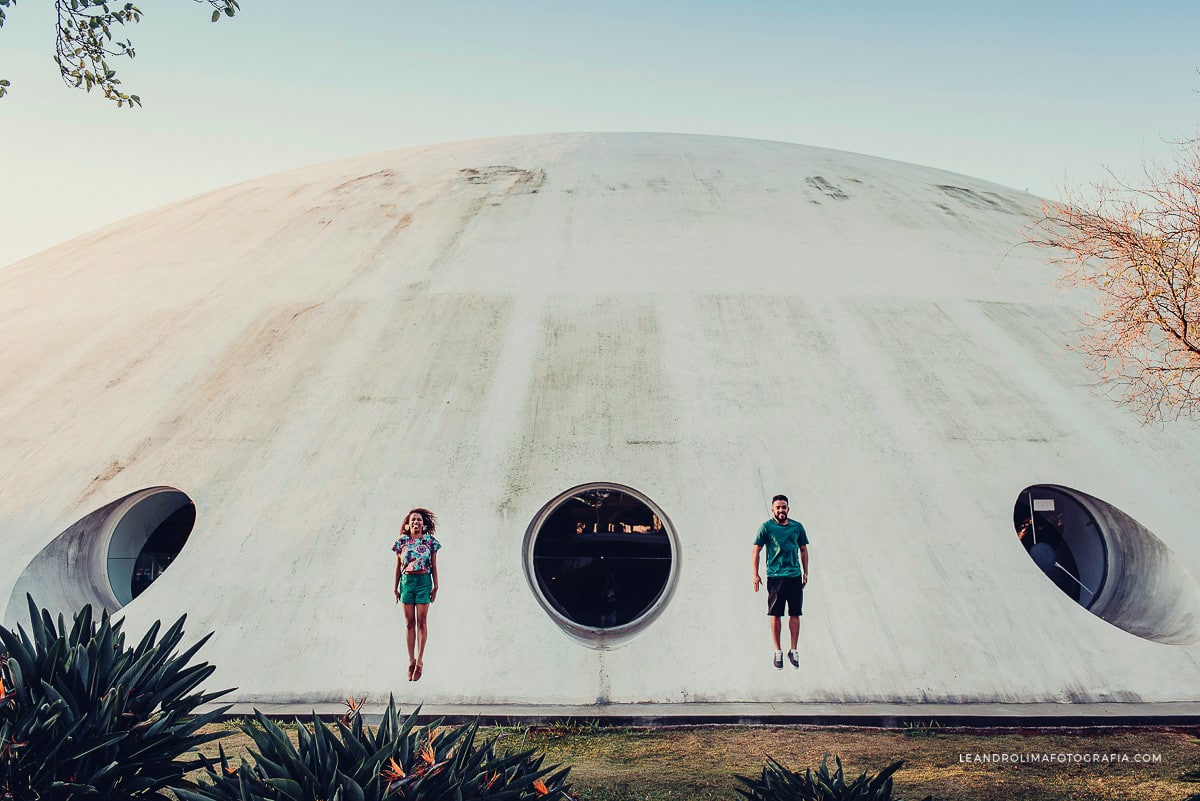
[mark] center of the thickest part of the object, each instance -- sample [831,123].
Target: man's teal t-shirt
[783,547]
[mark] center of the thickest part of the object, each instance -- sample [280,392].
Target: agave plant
[81,714]
[398,759]
[780,784]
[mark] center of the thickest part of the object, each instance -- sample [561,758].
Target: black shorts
[785,591]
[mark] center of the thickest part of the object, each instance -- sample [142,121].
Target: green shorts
[415,587]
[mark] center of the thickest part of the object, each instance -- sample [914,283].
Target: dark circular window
[602,559]
[1108,563]
[146,537]
[1064,540]
[110,556]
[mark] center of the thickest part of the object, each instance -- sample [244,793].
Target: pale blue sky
[1029,95]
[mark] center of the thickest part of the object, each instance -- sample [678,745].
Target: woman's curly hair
[427,516]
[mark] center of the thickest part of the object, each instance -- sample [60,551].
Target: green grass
[697,763]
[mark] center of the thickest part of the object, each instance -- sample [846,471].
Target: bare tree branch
[1138,247]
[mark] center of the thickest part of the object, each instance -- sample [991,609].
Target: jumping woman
[416,582]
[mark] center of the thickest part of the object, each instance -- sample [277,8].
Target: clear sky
[1032,95]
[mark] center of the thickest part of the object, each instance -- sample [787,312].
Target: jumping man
[787,574]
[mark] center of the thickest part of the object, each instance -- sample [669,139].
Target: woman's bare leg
[422,612]
[410,636]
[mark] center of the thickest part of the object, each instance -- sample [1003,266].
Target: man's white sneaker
[779,660]
[794,658]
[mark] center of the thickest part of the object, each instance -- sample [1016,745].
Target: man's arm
[757,579]
[804,565]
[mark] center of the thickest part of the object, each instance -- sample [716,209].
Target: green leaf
[71,709]
[95,745]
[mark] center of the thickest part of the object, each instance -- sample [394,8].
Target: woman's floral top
[416,555]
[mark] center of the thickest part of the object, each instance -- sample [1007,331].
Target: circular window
[1108,563]
[602,560]
[110,556]
[146,538]
[1064,540]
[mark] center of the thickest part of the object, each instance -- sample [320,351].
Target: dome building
[596,357]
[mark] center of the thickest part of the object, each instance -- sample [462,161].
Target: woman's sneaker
[779,660]
[794,658]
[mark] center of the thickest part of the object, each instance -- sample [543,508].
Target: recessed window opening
[146,539]
[164,544]
[109,556]
[1064,540]
[1109,563]
[602,559]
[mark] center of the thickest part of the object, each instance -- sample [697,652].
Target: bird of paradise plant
[399,760]
[353,707]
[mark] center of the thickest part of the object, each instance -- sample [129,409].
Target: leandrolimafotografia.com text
[1058,758]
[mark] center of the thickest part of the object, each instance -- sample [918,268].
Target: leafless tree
[1138,247]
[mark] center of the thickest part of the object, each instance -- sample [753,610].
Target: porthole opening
[1108,563]
[602,559]
[164,544]
[146,539]
[1064,540]
[109,556]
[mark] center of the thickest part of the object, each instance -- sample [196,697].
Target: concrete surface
[478,327]
[811,714]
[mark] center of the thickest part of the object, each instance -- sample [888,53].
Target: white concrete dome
[488,329]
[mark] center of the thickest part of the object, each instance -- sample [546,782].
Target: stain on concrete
[385,177]
[826,188]
[942,372]
[511,180]
[596,386]
[975,200]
